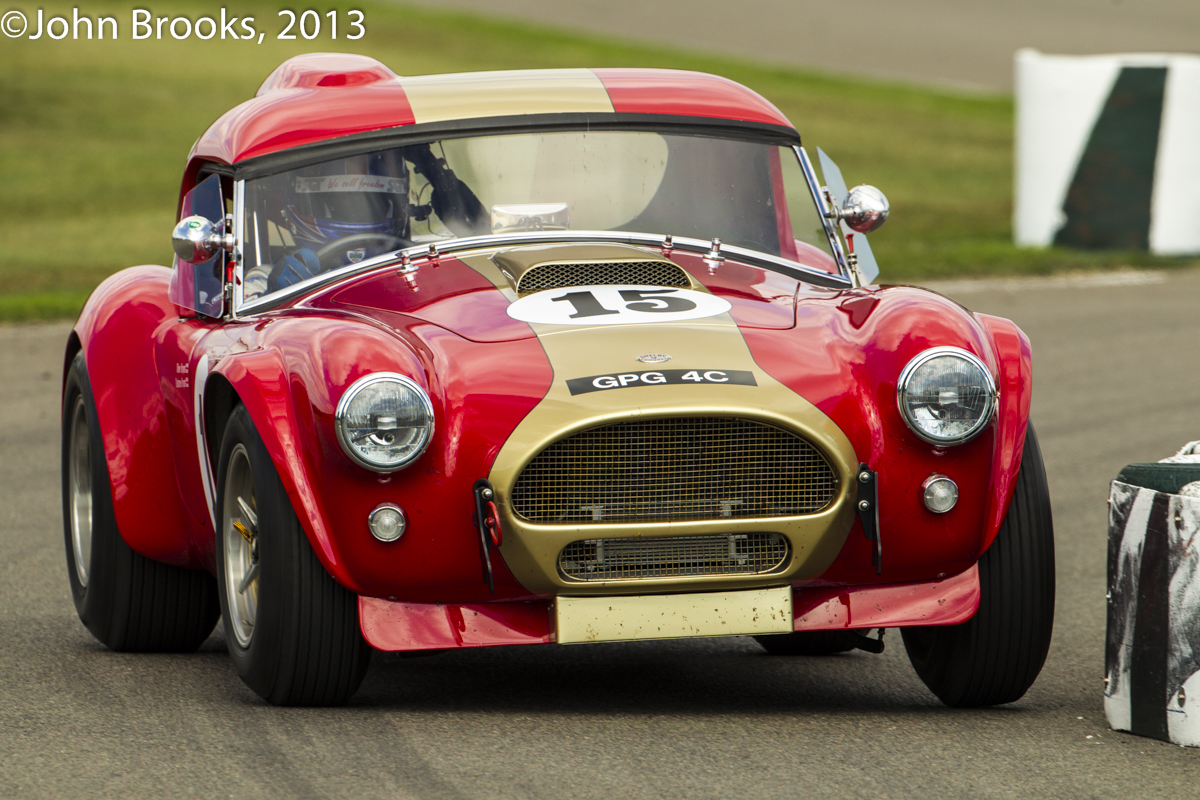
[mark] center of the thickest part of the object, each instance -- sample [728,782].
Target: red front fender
[261,381]
[846,358]
[290,372]
[120,358]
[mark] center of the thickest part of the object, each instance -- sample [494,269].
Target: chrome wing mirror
[865,209]
[197,239]
[198,278]
[861,210]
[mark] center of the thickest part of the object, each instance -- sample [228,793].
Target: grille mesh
[680,468]
[602,273]
[615,559]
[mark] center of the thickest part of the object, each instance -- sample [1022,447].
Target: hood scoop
[536,269]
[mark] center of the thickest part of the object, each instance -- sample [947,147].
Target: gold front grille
[602,273]
[679,468]
[675,556]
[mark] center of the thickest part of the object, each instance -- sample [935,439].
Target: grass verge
[95,133]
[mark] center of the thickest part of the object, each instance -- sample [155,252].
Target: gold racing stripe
[711,343]
[437,98]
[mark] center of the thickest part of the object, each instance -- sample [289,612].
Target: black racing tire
[994,657]
[130,603]
[809,643]
[292,631]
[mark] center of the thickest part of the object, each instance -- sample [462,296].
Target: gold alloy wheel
[80,482]
[239,531]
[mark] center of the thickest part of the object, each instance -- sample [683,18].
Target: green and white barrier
[1108,152]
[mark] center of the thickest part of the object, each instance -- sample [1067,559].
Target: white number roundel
[616,305]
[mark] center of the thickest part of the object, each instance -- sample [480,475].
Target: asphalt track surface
[1114,383]
[957,43]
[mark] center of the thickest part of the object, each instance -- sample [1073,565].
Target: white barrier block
[1175,213]
[1059,100]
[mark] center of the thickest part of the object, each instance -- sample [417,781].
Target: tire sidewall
[259,662]
[1016,605]
[95,603]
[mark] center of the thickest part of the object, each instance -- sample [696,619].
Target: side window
[806,222]
[812,245]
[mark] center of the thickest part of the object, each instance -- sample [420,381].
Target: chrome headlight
[384,421]
[946,395]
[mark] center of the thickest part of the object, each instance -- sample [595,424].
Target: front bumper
[397,626]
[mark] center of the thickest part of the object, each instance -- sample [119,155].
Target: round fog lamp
[387,522]
[939,493]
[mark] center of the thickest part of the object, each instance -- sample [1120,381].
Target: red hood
[452,295]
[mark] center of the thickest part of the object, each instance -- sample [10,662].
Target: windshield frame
[265,166]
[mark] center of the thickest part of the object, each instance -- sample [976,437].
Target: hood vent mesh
[602,273]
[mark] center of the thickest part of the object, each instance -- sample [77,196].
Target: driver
[360,202]
[350,209]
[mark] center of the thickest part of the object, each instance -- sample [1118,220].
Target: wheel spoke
[249,514]
[248,578]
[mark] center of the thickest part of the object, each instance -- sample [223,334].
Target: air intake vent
[602,273]
[679,468]
[675,556]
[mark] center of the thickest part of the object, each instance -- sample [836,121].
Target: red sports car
[542,357]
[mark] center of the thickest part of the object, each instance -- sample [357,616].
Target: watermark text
[222,25]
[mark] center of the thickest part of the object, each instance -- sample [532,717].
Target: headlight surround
[946,395]
[384,421]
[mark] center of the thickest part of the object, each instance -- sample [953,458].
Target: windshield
[325,216]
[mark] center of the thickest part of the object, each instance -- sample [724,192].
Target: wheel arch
[259,381]
[1014,379]
[73,348]
[220,399]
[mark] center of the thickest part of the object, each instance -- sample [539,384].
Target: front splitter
[392,625]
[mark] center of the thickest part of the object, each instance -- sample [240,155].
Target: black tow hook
[867,505]
[864,642]
[487,522]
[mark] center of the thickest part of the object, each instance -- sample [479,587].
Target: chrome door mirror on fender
[860,210]
[865,209]
[197,239]
[198,280]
